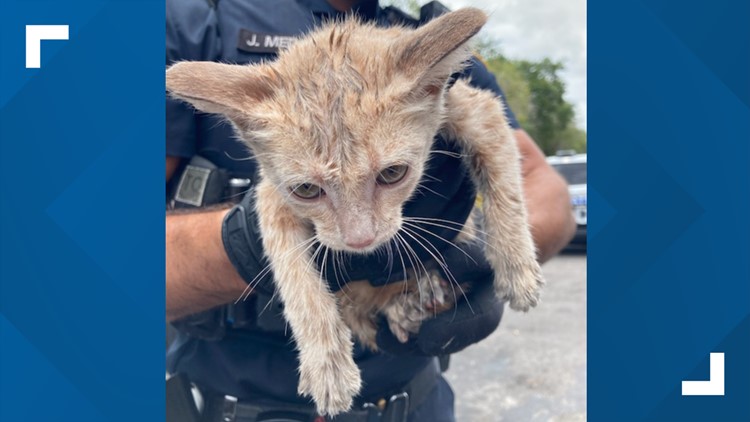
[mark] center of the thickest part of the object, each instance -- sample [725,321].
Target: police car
[572,167]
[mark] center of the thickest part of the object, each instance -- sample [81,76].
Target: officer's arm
[199,274]
[547,200]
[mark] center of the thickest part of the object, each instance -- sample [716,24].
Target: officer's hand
[475,316]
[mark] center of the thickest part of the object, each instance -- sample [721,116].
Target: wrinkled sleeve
[191,34]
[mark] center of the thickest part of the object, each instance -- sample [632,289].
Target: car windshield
[574,173]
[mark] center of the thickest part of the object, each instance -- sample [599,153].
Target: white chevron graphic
[715,384]
[34,36]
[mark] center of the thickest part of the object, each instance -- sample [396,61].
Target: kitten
[341,126]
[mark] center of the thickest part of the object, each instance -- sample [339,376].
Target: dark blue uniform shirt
[253,364]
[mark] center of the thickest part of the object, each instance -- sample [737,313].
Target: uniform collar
[368,9]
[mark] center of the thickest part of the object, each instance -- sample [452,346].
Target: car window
[574,173]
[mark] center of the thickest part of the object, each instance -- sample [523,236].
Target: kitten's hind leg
[475,119]
[327,370]
[358,303]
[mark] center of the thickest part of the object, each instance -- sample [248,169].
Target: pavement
[533,367]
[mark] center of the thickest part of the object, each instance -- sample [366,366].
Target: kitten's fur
[334,110]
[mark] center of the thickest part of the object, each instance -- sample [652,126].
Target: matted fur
[336,109]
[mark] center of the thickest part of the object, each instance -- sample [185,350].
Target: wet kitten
[341,126]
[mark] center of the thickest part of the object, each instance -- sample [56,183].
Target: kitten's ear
[220,88]
[433,52]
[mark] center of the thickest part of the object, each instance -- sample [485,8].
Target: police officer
[240,356]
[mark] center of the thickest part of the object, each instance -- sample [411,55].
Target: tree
[550,113]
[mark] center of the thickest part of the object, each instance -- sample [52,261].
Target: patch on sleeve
[192,185]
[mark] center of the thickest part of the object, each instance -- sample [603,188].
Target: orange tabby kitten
[341,126]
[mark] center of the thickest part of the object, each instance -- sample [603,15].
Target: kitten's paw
[424,300]
[520,285]
[330,379]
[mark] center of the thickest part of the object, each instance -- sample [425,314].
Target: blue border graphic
[669,188]
[82,214]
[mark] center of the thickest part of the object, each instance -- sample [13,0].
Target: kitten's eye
[392,174]
[307,191]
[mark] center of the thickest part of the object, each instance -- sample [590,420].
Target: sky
[533,29]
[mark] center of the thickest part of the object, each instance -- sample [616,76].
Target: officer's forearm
[547,200]
[199,274]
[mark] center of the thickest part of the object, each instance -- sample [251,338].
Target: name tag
[259,42]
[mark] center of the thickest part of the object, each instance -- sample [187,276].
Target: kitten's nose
[360,242]
[357,228]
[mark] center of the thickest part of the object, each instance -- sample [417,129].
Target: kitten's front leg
[477,121]
[327,370]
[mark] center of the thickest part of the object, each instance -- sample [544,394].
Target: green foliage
[534,92]
[549,115]
[516,86]
[572,138]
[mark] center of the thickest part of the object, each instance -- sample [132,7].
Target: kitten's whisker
[409,224]
[418,261]
[455,300]
[431,177]
[337,264]
[314,255]
[448,153]
[342,288]
[411,262]
[262,273]
[309,243]
[471,235]
[440,220]
[452,280]
[456,226]
[324,265]
[248,158]
[403,265]
[389,261]
[305,246]
[416,226]
[422,186]
[348,257]
[440,261]
[252,284]
[240,193]
[409,254]
[284,191]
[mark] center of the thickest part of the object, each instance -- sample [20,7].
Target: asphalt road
[533,368]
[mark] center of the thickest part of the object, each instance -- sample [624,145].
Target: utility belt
[186,405]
